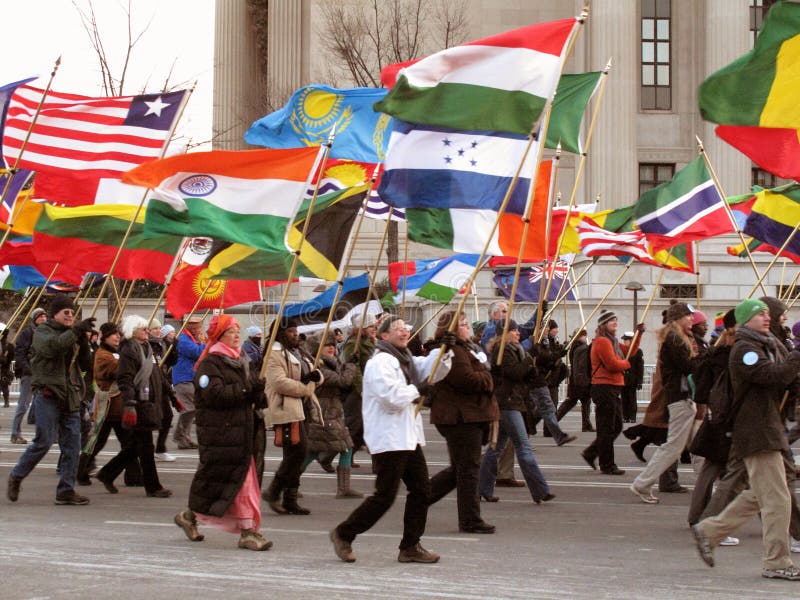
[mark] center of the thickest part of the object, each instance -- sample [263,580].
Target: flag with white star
[81,145]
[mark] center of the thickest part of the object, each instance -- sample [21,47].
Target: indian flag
[760,87]
[249,197]
[441,280]
[499,83]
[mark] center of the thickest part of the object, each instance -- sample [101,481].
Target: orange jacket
[607,367]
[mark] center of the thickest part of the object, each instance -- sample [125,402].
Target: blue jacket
[188,353]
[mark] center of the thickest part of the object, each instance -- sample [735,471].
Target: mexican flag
[499,83]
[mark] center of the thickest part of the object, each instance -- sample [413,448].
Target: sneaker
[188,522]
[729,541]
[164,457]
[704,546]
[253,540]
[417,554]
[794,545]
[342,547]
[12,492]
[646,497]
[18,439]
[791,573]
[71,498]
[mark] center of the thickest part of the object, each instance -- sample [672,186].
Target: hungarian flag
[80,146]
[192,276]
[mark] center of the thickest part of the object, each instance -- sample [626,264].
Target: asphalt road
[595,540]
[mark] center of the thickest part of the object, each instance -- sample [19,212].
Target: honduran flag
[685,209]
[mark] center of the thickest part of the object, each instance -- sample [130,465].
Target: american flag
[596,241]
[79,144]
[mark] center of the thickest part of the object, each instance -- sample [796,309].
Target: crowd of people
[725,404]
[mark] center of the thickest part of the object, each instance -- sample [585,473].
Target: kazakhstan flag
[313,111]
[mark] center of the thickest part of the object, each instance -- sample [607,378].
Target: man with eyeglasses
[57,391]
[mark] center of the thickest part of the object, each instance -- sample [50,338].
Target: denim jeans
[540,396]
[512,426]
[53,424]
[23,403]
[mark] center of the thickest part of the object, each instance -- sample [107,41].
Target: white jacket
[390,422]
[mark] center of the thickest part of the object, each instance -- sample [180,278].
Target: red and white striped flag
[596,241]
[80,145]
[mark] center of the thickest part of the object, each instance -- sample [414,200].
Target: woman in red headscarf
[226,489]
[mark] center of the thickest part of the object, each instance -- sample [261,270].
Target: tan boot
[343,489]
[252,540]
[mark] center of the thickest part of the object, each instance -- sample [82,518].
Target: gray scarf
[141,380]
[405,358]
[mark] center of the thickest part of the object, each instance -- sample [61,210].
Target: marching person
[190,345]
[22,369]
[394,382]
[225,490]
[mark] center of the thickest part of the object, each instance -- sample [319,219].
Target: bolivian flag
[760,87]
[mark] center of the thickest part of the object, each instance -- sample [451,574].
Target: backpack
[720,399]
[582,366]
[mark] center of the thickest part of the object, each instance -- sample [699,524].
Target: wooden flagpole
[168,279]
[729,211]
[572,287]
[35,302]
[26,298]
[12,219]
[186,321]
[425,324]
[324,150]
[656,287]
[85,295]
[124,304]
[773,261]
[405,278]
[788,292]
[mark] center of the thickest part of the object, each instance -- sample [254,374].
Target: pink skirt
[245,510]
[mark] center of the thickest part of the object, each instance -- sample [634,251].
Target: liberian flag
[499,83]
[80,146]
[685,209]
[441,280]
[249,197]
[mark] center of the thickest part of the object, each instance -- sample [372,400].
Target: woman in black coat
[226,489]
[142,388]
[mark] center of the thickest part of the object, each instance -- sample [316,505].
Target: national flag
[754,245]
[249,196]
[314,111]
[6,91]
[774,216]
[80,146]
[530,280]
[11,187]
[440,281]
[313,313]
[499,83]
[400,269]
[774,149]
[322,250]
[596,241]
[19,277]
[760,87]
[685,209]
[192,276]
[88,238]
[566,116]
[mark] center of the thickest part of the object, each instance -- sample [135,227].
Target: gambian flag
[760,87]
[774,217]
[499,83]
[88,237]
[249,196]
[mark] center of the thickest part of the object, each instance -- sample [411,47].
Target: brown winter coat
[465,394]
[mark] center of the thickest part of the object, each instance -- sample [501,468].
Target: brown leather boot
[272,496]
[343,489]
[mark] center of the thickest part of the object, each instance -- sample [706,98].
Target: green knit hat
[747,309]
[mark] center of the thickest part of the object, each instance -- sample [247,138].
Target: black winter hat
[107,329]
[59,303]
[605,317]
[729,319]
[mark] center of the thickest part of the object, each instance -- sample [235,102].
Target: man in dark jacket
[22,369]
[633,381]
[60,353]
[758,381]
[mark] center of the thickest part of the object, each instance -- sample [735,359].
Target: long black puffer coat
[228,433]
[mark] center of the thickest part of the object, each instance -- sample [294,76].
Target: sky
[36,32]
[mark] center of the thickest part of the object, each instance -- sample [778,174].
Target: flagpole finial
[597,198]
[607,68]
[558,151]
[699,143]
[331,135]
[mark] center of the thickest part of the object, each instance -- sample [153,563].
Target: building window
[653,174]
[682,291]
[656,91]
[787,291]
[758,10]
[763,178]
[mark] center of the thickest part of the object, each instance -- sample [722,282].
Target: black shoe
[160,493]
[566,440]
[678,489]
[509,483]
[481,527]
[109,485]
[12,492]
[589,460]
[686,458]
[628,433]
[587,428]
[613,470]
[545,498]
[638,451]
[490,498]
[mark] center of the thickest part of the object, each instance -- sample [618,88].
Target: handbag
[287,434]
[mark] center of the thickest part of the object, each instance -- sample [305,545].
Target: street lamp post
[635,287]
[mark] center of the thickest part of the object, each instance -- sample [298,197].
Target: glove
[85,326]
[354,358]
[424,388]
[129,417]
[314,376]
[641,328]
[449,339]
[177,404]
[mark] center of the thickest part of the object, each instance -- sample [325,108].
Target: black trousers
[629,403]
[464,448]
[166,423]
[141,446]
[291,467]
[391,468]
[608,417]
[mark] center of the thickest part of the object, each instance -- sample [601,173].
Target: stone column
[612,162]
[239,86]
[285,47]
[727,37]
